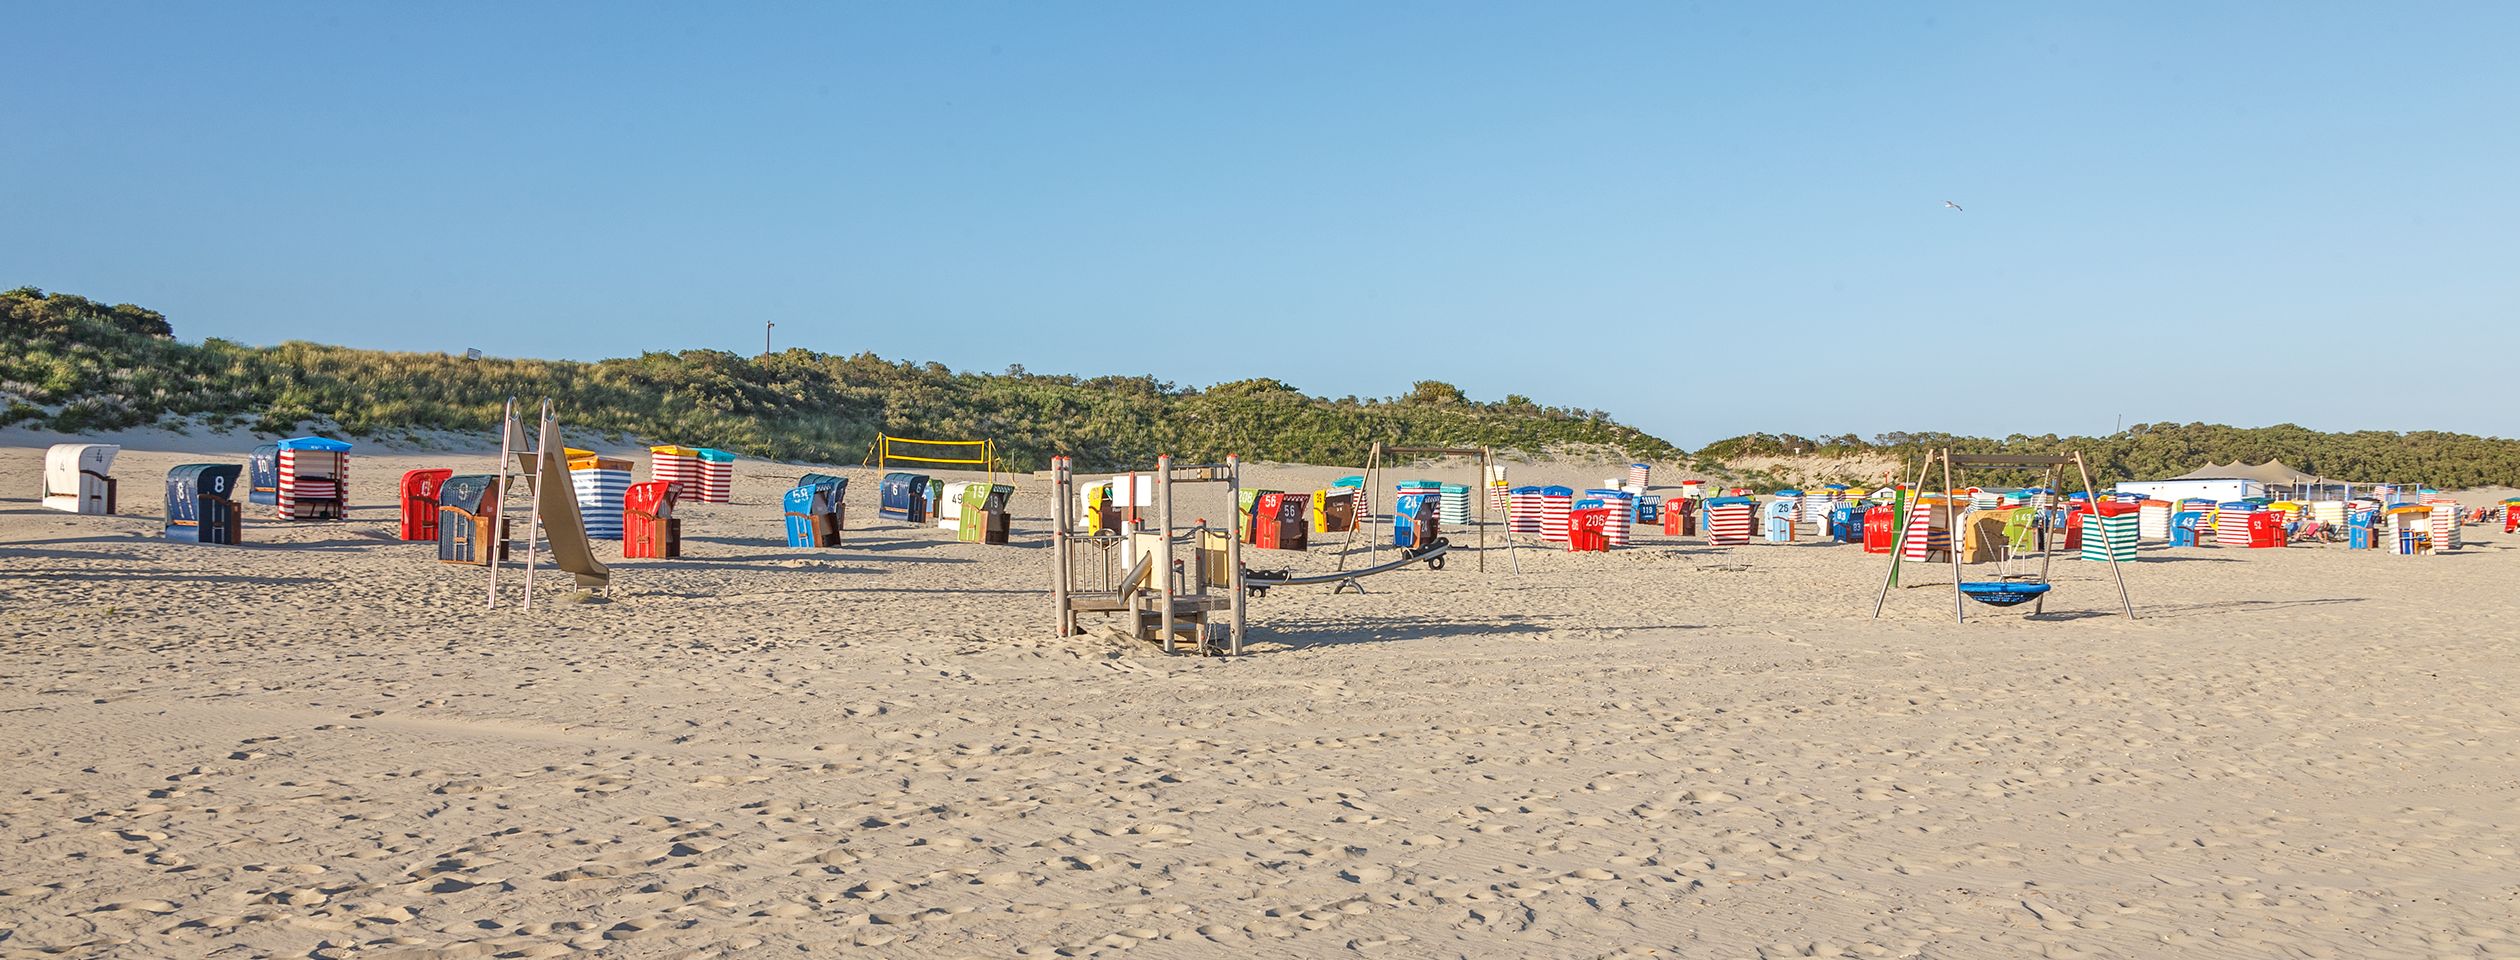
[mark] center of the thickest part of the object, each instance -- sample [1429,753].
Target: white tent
[2224,482]
[77,477]
[2272,473]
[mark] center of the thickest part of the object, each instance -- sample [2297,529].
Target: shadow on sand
[155,576]
[14,552]
[1387,630]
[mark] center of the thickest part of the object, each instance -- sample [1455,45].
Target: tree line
[2157,450]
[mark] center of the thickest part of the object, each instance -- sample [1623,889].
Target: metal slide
[564,531]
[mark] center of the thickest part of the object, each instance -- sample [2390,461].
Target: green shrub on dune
[85,366]
[78,365]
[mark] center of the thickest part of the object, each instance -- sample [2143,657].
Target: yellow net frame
[882,456]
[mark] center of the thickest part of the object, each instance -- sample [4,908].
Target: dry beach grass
[319,744]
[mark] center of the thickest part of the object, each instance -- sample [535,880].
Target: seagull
[1954,206]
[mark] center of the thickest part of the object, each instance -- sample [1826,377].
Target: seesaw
[1259,581]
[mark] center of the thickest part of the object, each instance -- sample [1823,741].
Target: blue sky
[1705,219]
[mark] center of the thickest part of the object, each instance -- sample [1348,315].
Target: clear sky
[1705,219]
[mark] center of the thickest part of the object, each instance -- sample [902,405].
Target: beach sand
[320,744]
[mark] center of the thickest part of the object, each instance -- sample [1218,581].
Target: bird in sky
[1954,206]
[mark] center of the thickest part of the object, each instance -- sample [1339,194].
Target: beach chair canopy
[65,461]
[326,444]
[2021,531]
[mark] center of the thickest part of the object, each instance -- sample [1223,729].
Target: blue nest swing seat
[2002,594]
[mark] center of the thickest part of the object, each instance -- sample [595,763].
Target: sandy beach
[320,744]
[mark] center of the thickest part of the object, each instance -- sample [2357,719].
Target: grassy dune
[75,364]
[86,366]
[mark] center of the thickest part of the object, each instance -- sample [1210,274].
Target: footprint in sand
[159,907]
[584,871]
[643,927]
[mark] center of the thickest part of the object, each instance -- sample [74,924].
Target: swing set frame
[1371,509]
[1959,592]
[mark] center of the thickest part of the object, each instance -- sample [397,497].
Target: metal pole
[498,499]
[532,478]
[766,326]
[1164,547]
[533,525]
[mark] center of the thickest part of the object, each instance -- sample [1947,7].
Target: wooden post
[1898,546]
[1479,489]
[2124,602]
[498,498]
[1062,620]
[1131,524]
[1513,554]
[1234,565]
[1364,507]
[1164,547]
[1959,604]
[1374,482]
[2046,548]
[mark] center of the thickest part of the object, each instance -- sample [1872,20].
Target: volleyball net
[966,454]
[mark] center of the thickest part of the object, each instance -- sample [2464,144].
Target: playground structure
[2011,592]
[1126,568]
[529,472]
[975,454]
[1373,483]
[1115,548]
